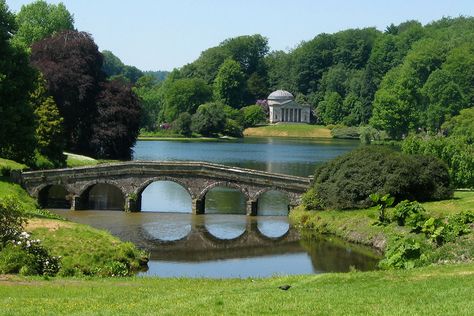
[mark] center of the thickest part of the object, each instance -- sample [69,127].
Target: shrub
[402,253]
[182,125]
[252,115]
[232,128]
[346,132]
[347,181]
[309,200]
[409,213]
[209,119]
[12,219]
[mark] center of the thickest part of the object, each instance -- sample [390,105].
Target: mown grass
[74,160]
[441,290]
[289,130]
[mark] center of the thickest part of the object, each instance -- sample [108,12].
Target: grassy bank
[84,250]
[442,290]
[358,226]
[289,130]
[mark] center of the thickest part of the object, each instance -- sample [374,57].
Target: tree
[252,115]
[148,91]
[115,129]
[183,95]
[461,125]
[330,110]
[230,84]
[17,140]
[39,20]
[182,124]
[71,64]
[49,132]
[114,67]
[209,119]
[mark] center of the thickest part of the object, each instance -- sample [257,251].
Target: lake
[224,243]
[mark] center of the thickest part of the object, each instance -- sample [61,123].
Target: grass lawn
[440,290]
[289,130]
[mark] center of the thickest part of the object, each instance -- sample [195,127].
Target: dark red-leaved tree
[71,64]
[116,127]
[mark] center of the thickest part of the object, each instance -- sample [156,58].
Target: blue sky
[162,35]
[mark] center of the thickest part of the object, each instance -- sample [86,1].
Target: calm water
[280,155]
[224,242]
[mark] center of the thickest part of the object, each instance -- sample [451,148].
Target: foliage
[182,125]
[309,200]
[114,67]
[229,84]
[454,151]
[16,82]
[183,95]
[12,219]
[382,202]
[27,256]
[39,20]
[151,101]
[346,132]
[403,253]
[71,65]
[252,115]
[232,128]
[49,132]
[347,181]
[115,129]
[409,213]
[209,119]
[461,125]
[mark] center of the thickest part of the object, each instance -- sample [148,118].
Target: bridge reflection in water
[217,245]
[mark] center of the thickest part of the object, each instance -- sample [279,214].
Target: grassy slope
[442,290]
[83,248]
[356,226]
[289,130]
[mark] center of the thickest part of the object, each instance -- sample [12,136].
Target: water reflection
[274,227]
[220,227]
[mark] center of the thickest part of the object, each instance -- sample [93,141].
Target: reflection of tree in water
[339,256]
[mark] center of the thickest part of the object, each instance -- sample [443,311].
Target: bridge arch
[54,196]
[224,184]
[260,194]
[138,193]
[104,201]
[145,184]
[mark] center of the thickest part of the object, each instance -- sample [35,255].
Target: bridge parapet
[196,177]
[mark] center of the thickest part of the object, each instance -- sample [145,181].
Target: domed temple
[284,108]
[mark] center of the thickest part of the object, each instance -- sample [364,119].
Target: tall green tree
[183,95]
[209,119]
[49,130]
[230,84]
[17,140]
[39,20]
[148,91]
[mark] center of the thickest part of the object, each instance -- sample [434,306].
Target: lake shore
[289,130]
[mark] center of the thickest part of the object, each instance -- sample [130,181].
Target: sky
[162,35]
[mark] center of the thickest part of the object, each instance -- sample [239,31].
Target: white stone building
[284,108]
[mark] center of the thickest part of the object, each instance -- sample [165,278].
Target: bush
[232,128]
[252,115]
[346,132]
[347,181]
[209,119]
[12,219]
[456,152]
[402,253]
[182,125]
[409,213]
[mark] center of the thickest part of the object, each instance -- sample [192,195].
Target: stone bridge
[132,178]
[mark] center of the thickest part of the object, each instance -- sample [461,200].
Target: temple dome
[280,95]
